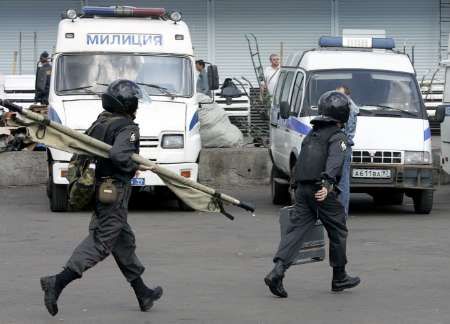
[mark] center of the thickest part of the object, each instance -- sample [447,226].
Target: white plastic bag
[216,130]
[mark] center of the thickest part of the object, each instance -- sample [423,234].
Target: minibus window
[287,87]
[297,94]
[276,97]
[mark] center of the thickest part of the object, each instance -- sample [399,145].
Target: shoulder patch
[343,146]
[133,137]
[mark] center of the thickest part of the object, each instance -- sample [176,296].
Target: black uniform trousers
[109,232]
[306,211]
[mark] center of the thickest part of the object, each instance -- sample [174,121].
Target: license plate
[137,181]
[371,173]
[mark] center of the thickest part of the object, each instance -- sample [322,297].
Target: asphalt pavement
[212,269]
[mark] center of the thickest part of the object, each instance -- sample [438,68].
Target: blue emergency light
[357,42]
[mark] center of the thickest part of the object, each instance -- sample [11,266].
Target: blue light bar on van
[356,42]
[123,11]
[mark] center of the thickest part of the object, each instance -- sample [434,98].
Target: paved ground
[212,269]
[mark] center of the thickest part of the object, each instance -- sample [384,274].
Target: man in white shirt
[272,72]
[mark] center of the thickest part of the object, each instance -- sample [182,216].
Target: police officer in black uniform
[42,85]
[109,231]
[317,173]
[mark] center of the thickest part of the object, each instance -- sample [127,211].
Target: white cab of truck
[392,151]
[147,45]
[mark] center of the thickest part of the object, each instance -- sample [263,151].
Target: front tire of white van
[57,195]
[279,187]
[423,201]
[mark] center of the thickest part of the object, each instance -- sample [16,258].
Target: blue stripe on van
[298,126]
[427,134]
[53,115]
[194,121]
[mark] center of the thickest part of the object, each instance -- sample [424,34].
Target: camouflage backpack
[81,175]
[81,178]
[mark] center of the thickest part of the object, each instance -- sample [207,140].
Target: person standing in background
[272,72]
[202,79]
[43,73]
[350,130]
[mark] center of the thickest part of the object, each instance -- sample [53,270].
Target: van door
[295,127]
[279,130]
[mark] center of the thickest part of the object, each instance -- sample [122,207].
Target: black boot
[274,280]
[341,280]
[53,286]
[145,295]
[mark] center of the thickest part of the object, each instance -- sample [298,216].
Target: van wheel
[49,181]
[423,201]
[279,187]
[58,197]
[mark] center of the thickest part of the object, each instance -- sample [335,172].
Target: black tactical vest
[105,129]
[313,156]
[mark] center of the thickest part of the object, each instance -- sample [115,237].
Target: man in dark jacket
[317,174]
[42,85]
[109,231]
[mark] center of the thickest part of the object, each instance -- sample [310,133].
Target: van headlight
[417,157]
[172,141]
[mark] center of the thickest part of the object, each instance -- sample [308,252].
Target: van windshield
[377,92]
[77,72]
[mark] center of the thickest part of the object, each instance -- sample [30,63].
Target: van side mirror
[440,113]
[213,77]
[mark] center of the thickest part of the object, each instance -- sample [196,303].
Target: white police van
[392,151]
[147,45]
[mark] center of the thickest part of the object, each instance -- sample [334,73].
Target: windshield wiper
[155,86]
[368,111]
[385,108]
[74,89]
[86,89]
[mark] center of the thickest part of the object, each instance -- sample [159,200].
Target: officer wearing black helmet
[42,84]
[317,174]
[109,231]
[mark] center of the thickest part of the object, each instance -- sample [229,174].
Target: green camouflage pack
[81,182]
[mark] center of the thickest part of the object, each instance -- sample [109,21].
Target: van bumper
[403,177]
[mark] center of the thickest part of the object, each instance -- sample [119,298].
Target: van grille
[149,141]
[388,157]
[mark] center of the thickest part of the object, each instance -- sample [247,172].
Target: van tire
[279,189]
[58,198]
[423,201]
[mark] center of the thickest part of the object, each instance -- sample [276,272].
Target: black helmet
[334,106]
[122,96]
[44,55]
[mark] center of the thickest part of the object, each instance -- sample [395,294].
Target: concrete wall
[218,167]
[23,168]
[234,166]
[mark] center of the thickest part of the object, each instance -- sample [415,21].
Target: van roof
[331,59]
[127,35]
